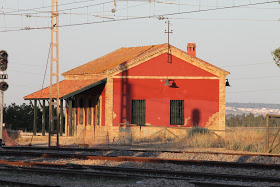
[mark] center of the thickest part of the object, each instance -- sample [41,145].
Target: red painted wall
[201,96]
[159,66]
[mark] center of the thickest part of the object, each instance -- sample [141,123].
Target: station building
[139,93]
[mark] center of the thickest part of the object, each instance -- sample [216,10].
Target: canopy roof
[67,88]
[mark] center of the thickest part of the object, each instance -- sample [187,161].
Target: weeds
[201,138]
[245,139]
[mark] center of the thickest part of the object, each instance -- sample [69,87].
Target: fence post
[267,134]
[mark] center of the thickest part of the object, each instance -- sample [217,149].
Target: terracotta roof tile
[112,59]
[65,87]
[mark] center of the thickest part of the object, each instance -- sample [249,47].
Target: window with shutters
[176,112]
[138,112]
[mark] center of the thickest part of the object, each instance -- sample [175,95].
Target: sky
[237,39]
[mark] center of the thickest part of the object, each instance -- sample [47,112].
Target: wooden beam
[61,118]
[267,135]
[52,114]
[70,118]
[44,118]
[35,118]
[273,115]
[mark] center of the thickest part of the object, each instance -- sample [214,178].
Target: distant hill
[253,105]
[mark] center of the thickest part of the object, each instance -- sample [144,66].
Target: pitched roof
[67,88]
[112,59]
[128,54]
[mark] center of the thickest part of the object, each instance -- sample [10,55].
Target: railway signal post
[3,87]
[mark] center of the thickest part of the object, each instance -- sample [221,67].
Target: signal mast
[3,87]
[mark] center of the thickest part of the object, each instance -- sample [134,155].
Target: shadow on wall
[195,117]
[125,92]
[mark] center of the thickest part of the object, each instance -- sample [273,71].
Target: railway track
[126,173]
[199,179]
[8,183]
[135,150]
[141,159]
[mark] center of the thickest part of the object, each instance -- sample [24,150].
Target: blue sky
[239,40]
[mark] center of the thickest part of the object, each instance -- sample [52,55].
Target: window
[138,112]
[176,112]
[81,111]
[90,111]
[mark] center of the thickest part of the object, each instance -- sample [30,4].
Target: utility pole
[54,75]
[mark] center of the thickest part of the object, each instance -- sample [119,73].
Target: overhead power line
[155,16]
[86,6]
[227,19]
[171,14]
[43,7]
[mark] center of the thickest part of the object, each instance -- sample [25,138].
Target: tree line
[21,117]
[250,121]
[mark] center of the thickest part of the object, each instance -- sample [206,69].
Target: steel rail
[213,184]
[143,159]
[22,184]
[123,173]
[137,150]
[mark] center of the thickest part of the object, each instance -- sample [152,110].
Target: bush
[198,130]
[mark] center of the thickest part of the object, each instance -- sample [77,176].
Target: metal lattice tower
[54,72]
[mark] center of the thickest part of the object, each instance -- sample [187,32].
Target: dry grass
[248,139]
[204,141]
[201,138]
[238,139]
[245,139]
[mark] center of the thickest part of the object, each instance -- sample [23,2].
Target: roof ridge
[143,46]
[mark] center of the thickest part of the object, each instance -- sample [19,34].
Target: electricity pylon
[54,72]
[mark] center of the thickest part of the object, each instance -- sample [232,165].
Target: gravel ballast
[166,166]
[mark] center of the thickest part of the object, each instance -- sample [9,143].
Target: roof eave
[84,89]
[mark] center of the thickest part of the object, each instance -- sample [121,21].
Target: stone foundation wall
[130,134]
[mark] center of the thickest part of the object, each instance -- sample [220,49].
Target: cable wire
[45,70]
[43,7]
[145,17]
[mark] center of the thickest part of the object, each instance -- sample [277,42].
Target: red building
[137,91]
